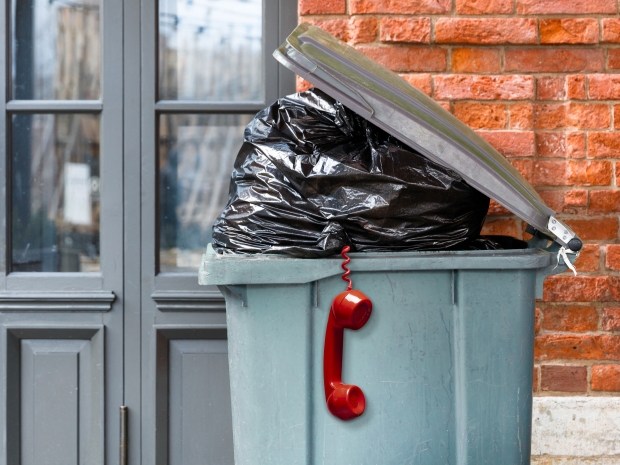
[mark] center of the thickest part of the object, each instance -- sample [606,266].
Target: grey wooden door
[119,121]
[61,232]
[206,70]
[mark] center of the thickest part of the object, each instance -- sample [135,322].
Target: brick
[549,116]
[302,85]
[569,31]
[535,377]
[481,115]
[560,144]
[525,167]
[445,105]
[571,318]
[551,88]
[597,229]
[408,58]
[611,30]
[588,259]
[554,200]
[562,201]
[617,173]
[322,7]
[612,259]
[421,81]
[577,347]
[604,86]
[551,144]
[613,59]
[606,378]
[571,173]
[522,116]
[411,30]
[353,30]
[577,115]
[606,201]
[575,144]
[576,86]
[538,318]
[362,29]
[561,87]
[569,7]
[511,143]
[463,86]
[486,31]
[588,116]
[603,144]
[406,7]
[339,28]
[476,60]
[563,378]
[576,198]
[500,227]
[481,7]
[616,116]
[549,60]
[611,319]
[495,209]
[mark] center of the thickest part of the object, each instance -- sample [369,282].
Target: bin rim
[242,269]
[388,101]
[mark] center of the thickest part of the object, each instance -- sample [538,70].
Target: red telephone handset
[351,310]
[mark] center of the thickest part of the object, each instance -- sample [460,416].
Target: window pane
[55,193]
[56,50]
[210,50]
[196,156]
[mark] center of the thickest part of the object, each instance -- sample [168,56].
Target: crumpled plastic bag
[313,176]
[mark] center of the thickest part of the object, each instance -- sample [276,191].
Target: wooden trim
[189,301]
[190,106]
[56,301]
[56,106]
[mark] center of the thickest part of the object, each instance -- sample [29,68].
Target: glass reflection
[210,50]
[196,156]
[56,49]
[55,193]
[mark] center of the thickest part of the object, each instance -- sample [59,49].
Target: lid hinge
[564,235]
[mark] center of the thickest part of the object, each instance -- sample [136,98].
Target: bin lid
[388,101]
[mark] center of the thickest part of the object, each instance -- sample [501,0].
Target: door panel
[193,397]
[198,392]
[55,395]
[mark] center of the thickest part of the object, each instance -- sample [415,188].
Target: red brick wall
[540,80]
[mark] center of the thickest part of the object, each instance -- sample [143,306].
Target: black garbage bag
[313,176]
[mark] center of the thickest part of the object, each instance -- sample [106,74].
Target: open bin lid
[385,99]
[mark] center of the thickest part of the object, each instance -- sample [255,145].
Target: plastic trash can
[446,359]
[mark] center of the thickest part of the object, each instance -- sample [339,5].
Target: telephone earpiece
[350,310]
